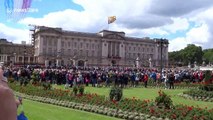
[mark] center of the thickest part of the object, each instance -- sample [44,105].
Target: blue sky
[182,22]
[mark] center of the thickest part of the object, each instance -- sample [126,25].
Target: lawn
[150,93]
[40,111]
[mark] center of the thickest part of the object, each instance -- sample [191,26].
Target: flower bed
[126,108]
[199,95]
[99,109]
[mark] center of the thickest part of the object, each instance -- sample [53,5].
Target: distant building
[55,47]
[14,54]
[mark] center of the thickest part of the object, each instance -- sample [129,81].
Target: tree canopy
[190,54]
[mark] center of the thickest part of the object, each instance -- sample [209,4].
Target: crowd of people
[94,76]
[107,76]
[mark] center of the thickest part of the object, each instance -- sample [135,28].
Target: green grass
[40,111]
[150,93]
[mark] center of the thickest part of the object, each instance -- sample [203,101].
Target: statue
[46,63]
[137,62]
[150,62]
[195,64]
[189,65]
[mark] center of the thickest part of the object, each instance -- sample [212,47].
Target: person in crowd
[145,80]
[166,80]
[171,81]
[137,78]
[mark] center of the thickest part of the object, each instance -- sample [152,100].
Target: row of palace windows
[53,52]
[73,44]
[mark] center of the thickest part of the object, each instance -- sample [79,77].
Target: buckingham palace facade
[56,47]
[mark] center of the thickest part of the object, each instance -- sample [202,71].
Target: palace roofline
[95,35]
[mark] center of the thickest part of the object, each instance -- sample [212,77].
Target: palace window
[87,53]
[92,46]
[75,45]
[81,45]
[50,42]
[55,42]
[44,42]
[62,43]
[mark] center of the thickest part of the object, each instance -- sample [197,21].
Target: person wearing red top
[145,80]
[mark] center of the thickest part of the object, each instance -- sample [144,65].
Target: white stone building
[54,46]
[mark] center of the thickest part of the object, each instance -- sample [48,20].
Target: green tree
[208,55]
[191,53]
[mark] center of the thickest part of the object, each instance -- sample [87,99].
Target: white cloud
[133,18]
[94,16]
[179,24]
[199,35]
[177,44]
[13,34]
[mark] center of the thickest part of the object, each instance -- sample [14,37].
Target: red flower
[174,116]
[114,101]
[151,110]
[190,108]
[160,93]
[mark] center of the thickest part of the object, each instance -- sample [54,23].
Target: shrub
[207,82]
[81,89]
[34,80]
[24,81]
[206,87]
[163,100]
[116,93]
[75,90]
[207,76]
[199,93]
[46,85]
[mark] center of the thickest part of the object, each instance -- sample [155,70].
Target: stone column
[6,58]
[111,48]
[40,44]
[115,50]
[14,58]
[28,59]
[23,59]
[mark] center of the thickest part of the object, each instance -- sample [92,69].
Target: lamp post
[161,43]
[58,61]
[24,54]
[24,58]
[14,60]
